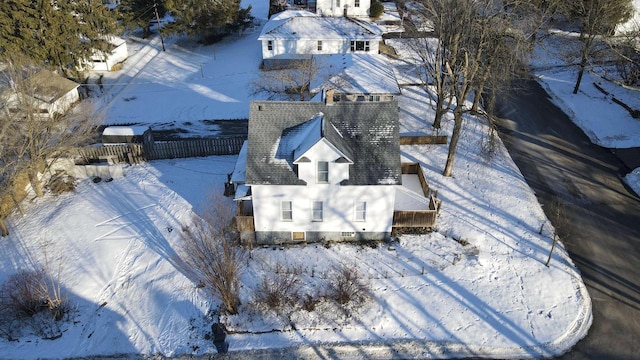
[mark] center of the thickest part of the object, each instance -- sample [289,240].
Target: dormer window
[323,172]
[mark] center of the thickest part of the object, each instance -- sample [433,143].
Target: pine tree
[208,19]
[61,33]
[140,13]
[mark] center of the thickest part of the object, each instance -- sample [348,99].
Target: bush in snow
[31,297]
[211,253]
[346,285]
[278,288]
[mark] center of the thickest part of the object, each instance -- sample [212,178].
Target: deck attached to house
[416,205]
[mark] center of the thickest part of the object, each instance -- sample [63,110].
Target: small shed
[117,135]
[108,60]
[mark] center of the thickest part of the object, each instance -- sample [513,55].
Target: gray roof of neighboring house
[43,85]
[292,24]
[50,86]
[365,132]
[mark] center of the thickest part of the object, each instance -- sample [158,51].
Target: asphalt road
[580,187]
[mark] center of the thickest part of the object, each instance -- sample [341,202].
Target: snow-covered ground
[115,243]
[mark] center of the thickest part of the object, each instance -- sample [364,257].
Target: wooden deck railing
[418,218]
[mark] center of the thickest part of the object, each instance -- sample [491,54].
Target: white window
[269,45]
[361,210]
[323,172]
[337,3]
[317,211]
[319,45]
[286,211]
[356,3]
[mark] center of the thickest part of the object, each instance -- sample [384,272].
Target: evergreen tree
[58,33]
[208,19]
[140,13]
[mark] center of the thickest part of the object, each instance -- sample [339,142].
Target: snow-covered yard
[478,286]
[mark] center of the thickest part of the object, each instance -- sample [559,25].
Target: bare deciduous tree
[479,43]
[558,217]
[627,54]
[212,255]
[33,138]
[292,80]
[596,18]
[431,56]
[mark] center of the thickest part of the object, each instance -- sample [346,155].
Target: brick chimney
[328,96]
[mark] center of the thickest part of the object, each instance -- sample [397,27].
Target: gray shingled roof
[367,132]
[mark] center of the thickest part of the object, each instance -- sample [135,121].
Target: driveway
[599,217]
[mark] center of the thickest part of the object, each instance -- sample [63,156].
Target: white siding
[296,49]
[105,62]
[62,104]
[338,207]
[336,8]
[323,151]
[338,201]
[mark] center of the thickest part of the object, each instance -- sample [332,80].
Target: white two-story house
[298,34]
[318,172]
[353,8]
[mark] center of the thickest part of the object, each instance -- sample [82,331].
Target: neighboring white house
[105,61]
[353,8]
[44,90]
[321,172]
[300,34]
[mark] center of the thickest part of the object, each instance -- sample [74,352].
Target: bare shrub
[212,255]
[25,293]
[278,288]
[30,294]
[345,285]
[310,302]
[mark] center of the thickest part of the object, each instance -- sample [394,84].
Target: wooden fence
[131,153]
[135,153]
[424,140]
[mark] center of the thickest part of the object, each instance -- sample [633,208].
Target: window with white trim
[323,172]
[337,3]
[356,3]
[286,211]
[361,210]
[359,45]
[319,45]
[317,211]
[270,45]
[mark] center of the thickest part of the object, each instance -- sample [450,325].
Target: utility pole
[155,9]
